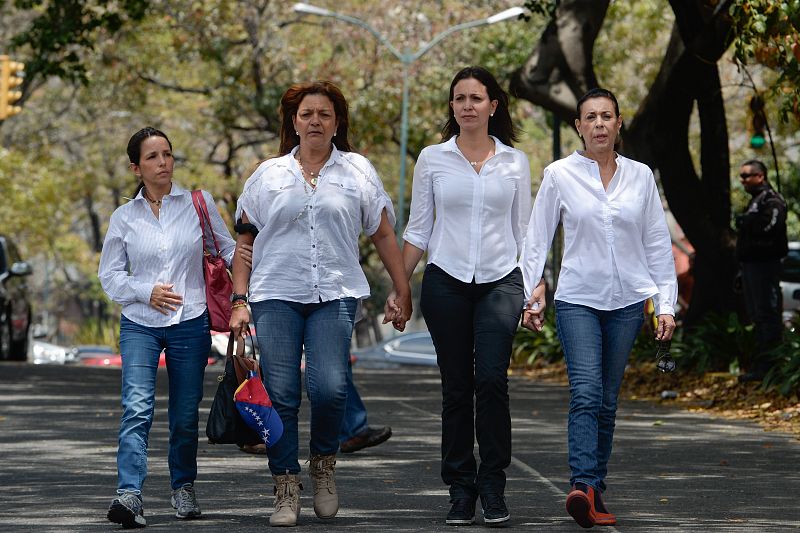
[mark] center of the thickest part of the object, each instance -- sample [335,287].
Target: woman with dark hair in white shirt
[470,203]
[152,265]
[617,254]
[303,212]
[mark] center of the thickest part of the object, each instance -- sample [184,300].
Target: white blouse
[617,248]
[471,223]
[306,249]
[141,250]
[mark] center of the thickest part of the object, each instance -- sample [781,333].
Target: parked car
[45,353]
[790,281]
[15,307]
[408,348]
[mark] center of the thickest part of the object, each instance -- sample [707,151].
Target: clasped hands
[397,310]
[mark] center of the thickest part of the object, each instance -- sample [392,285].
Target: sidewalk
[671,470]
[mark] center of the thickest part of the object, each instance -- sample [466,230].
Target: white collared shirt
[472,224]
[617,249]
[306,249]
[141,250]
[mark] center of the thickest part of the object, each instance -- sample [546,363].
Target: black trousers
[472,326]
[762,297]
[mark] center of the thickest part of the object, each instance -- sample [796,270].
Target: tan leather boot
[326,501]
[287,500]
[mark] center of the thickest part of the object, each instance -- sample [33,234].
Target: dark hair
[597,92]
[135,147]
[500,125]
[762,168]
[290,103]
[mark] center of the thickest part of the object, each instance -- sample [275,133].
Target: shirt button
[313,245]
[312,227]
[315,266]
[315,286]
[311,207]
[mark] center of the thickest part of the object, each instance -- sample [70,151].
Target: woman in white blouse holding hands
[303,211]
[469,207]
[152,265]
[617,253]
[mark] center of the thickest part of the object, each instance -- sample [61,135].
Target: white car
[790,282]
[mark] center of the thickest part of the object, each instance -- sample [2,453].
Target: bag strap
[202,213]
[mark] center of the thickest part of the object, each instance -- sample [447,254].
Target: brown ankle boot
[326,501]
[287,500]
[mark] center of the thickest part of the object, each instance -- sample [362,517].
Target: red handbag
[218,281]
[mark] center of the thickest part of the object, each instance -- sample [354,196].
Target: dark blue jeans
[186,346]
[323,330]
[355,412]
[596,349]
[472,326]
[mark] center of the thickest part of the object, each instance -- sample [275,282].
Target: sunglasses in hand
[664,361]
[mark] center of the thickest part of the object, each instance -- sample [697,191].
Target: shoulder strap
[205,220]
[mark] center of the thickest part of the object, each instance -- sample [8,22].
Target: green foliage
[544,345]
[717,344]
[101,332]
[767,32]
[784,376]
[64,31]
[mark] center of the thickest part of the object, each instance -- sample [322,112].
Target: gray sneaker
[127,509]
[184,500]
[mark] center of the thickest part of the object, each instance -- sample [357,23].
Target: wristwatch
[242,297]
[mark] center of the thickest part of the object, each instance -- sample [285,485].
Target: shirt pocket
[346,184]
[280,183]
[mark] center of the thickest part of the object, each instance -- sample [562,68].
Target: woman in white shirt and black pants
[469,206]
[617,253]
[152,265]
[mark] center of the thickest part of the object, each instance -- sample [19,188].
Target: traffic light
[759,122]
[10,77]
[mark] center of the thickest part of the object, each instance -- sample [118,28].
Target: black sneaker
[127,509]
[462,513]
[495,512]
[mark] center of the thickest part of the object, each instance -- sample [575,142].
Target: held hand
[163,299]
[390,308]
[240,321]
[665,328]
[245,251]
[403,315]
[533,313]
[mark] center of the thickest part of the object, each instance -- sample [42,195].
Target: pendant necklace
[313,176]
[156,203]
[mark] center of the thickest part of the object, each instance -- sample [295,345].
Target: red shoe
[602,518]
[580,505]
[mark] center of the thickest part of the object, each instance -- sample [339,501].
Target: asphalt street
[670,471]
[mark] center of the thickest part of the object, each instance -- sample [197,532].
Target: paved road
[671,471]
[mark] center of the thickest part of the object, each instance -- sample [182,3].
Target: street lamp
[406,58]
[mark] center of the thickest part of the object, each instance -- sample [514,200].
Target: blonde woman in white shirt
[303,212]
[469,206]
[151,264]
[617,253]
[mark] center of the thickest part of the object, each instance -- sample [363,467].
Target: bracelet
[238,303]
[242,297]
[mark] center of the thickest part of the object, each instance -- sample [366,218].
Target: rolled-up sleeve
[541,229]
[658,252]
[249,200]
[113,272]
[375,200]
[227,245]
[420,220]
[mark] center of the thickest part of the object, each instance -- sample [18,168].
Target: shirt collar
[289,159]
[451,146]
[176,190]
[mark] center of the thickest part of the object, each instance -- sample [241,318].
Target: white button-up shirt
[471,223]
[306,249]
[617,249]
[141,250]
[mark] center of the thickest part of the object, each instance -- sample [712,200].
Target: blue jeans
[186,346]
[596,348]
[355,412]
[324,329]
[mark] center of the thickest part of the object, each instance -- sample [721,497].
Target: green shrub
[530,346]
[784,377]
[717,344]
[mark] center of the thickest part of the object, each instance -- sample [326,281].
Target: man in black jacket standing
[761,245]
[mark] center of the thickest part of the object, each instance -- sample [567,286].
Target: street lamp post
[406,58]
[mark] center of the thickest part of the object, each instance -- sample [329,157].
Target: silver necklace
[313,176]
